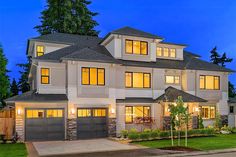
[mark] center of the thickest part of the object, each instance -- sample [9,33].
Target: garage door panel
[44,129]
[92,126]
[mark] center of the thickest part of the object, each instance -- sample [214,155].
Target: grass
[200,143]
[13,150]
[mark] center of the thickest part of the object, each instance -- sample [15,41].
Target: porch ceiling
[171,94]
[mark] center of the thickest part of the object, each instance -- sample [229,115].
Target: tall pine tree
[14,88]
[215,57]
[4,79]
[68,16]
[23,81]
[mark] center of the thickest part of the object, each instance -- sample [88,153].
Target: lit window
[54,113]
[137,80]
[35,113]
[84,112]
[165,52]
[45,76]
[136,47]
[172,79]
[159,51]
[210,82]
[93,76]
[172,53]
[208,112]
[137,114]
[39,50]
[99,113]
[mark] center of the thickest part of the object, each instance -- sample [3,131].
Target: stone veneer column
[72,129]
[112,127]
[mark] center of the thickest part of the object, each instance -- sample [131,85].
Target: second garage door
[92,123]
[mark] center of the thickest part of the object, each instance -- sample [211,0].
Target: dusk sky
[199,24]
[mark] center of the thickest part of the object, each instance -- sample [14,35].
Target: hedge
[157,134]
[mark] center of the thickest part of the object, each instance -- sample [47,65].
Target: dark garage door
[44,124]
[92,123]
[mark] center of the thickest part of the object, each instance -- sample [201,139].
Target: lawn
[13,150]
[200,143]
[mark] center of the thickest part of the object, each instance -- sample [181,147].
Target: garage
[92,123]
[44,124]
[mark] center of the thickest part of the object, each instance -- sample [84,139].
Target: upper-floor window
[136,47]
[45,76]
[171,79]
[137,80]
[39,50]
[93,76]
[209,82]
[166,52]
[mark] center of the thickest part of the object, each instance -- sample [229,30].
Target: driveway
[80,147]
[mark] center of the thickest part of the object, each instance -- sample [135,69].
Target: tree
[4,79]
[232,90]
[23,81]
[225,59]
[215,57]
[14,88]
[68,16]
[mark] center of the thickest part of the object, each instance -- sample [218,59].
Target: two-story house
[89,87]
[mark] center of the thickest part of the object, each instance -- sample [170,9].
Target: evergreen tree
[232,90]
[215,57]
[4,79]
[23,81]
[14,88]
[224,60]
[67,16]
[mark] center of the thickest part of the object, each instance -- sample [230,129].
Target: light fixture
[72,111]
[112,111]
[19,111]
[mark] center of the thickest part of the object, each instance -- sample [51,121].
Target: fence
[7,122]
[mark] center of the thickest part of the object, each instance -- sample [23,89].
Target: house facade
[89,87]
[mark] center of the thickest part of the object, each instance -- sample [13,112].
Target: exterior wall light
[19,111]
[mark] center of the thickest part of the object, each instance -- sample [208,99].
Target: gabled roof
[32,96]
[171,95]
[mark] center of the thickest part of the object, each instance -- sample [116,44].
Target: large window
[39,50]
[170,79]
[166,52]
[45,76]
[137,80]
[208,112]
[136,47]
[137,114]
[210,82]
[93,76]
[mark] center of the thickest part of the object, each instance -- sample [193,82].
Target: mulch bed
[180,148]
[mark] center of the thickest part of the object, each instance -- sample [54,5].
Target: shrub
[124,133]
[164,134]
[155,133]
[133,130]
[133,136]
[145,135]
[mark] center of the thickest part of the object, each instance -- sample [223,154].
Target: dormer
[131,44]
[171,51]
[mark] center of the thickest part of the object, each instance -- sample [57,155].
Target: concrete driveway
[51,148]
